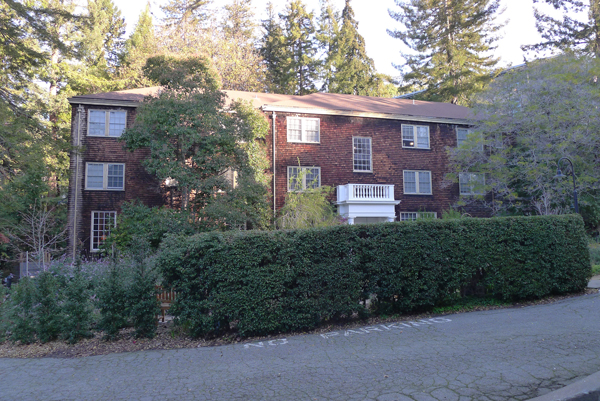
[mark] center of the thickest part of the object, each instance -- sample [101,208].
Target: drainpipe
[274,169]
[80,111]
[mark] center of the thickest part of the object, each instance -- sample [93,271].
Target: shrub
[77,308]
[112,301]
[142,292]
[270,282]
[21,318]
[47,308]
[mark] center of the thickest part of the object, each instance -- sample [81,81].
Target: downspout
[80,111]
[274,170]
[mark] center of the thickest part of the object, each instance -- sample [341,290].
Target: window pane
[464,184]
[294,129]
[97,123]
[423,137]
[313,179]
[362,154]
[408,216]
[461,136]
[115,176]
[311,130]
[424,182]
[95,173]
[102,223]
[408,136]
[117,123]
[410,182]
[294,184]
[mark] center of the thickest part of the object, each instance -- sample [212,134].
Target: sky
[373,21]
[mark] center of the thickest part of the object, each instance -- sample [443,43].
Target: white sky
[373,19]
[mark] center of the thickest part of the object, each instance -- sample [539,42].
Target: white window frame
[415,129]
[96,240]
[104,176]
[465,183]
[303,129]
[354,153]
[417,215]
[107,114]
[418,192]
[459,143]
[303,168]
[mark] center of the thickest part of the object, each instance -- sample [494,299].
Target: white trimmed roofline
[105,102]
[308,110]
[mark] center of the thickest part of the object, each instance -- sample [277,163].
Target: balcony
[366,203]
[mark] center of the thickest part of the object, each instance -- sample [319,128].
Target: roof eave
[350,113]
[104,102]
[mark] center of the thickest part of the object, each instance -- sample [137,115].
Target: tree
[327,36]
[449,39]
[196,141]
[272,50]
[569,33]
[530,118]
[184,23]
[299,62]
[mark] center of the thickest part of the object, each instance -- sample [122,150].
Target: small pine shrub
[47,309]
[19,311]
[112,302]
[142,292]
[77,308]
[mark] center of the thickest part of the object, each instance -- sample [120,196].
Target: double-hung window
[471,183]
[415,136]
[102,223]
[417,182]
[412,216]
[302,129]
[106,123]
[105,176]
[301,178]
[361,150]
[461,136]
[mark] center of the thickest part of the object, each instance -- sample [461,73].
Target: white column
[350,220]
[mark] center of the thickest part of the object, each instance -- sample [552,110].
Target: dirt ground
[171,337]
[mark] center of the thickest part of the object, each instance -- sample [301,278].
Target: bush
[19,310]
[112,301]
[270,282]
[143,304]
[77,308]
[47,307]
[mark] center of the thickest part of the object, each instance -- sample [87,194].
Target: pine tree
[327,36]
[184,24]
[138,48]
[300,63]
[272,50]
[569,33]
[239,20]
[449,38]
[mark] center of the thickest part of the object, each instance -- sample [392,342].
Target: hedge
[280,281]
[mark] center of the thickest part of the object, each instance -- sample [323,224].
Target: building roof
[315,103]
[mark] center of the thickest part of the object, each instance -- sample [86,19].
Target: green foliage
[112,301]
[143,304]
[269,282]
[309,208]
[594,247]
[449,41]
[77,307]
[20,311]
[451,214]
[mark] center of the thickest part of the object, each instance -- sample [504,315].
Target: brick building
[387,157]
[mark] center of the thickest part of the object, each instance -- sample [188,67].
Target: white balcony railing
[365,192]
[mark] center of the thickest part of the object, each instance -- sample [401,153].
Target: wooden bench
[165,299]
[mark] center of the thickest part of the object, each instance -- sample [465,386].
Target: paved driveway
[509,354]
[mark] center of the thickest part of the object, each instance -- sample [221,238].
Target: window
[106,123]
[417,182]
[300,129]
[461,136]
[301,178]
[105,176]
[102,223]
[361,149]
[415,136]
[471,183]
[412,216]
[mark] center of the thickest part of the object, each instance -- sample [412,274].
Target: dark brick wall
[334,155]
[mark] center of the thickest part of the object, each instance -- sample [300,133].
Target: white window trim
[106,123]
[414,127]
[417,182]
[469,131]
[289,189]
[461,184]
[370,154]
[104,177]
[92,249]
[302,129]
[419,215]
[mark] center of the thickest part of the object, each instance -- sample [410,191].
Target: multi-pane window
[106,123]
[301,129]
[362,154]
[461,136]
[412,216]
[109,176]
[417,182]
[471,183]
[102,223]
[301,178]
[415,136]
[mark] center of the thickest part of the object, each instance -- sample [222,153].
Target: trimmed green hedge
[280,281]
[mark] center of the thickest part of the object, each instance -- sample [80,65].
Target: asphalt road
[508,354]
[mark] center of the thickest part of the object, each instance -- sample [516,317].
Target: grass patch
[470,304]
[594,247]
[595,270]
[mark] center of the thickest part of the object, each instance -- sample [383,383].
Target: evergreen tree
[569,33]
[300,62]
[272,51]
[184,24]
[327,37]
[238,22]
[449,38]
[138,48]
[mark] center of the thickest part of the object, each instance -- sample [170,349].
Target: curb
[587,389]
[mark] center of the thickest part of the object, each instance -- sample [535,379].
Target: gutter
[80,111]
[274,169]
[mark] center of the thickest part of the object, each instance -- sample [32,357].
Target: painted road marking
[261,344]
[388,326]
